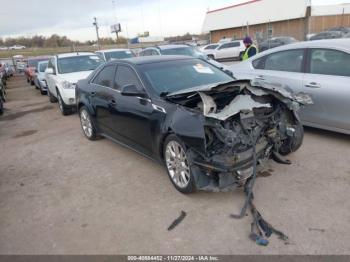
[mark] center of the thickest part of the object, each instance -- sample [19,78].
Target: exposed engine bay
[245,124]
[241,117]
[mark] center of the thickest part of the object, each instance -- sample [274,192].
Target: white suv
[228,50]
[63,72]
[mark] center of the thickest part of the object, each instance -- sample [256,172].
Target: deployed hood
[76,76]
[257,87]
[197,89]
[243,95]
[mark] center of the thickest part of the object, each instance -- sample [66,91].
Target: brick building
[262,19]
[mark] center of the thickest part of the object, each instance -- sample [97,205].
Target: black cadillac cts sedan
[208,129]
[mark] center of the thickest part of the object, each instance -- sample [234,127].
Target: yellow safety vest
[246,54]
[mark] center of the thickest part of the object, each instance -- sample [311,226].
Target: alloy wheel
[60,102]
[86,123]
[177,164]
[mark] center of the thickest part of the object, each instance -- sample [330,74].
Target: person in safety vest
[251,49]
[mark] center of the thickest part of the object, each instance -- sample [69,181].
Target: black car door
[131,115]
[102,96]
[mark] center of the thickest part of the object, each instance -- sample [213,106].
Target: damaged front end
[241,118]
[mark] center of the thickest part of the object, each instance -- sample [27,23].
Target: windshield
[173,76]
[118,55]
[43,66]
[78,64]
[34,62]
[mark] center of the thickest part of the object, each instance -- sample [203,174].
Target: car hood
[76,76]
[258,88]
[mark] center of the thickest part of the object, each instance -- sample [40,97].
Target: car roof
[341,43]
[151,59]
[113,50]
[39,58]
[164,47]
[231,41]
[72,54]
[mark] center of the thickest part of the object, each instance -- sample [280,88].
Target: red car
[32,66]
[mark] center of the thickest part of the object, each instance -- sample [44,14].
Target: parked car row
[333,33]
[6,71]
[319,68]
[212,132]
[2,96]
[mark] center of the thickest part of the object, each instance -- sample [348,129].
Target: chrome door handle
[313,85]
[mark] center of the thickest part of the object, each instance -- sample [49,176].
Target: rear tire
[178,167]
[292,144]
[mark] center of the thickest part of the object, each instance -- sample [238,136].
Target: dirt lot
[62,194]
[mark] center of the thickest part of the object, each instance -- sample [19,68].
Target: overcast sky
[74,18]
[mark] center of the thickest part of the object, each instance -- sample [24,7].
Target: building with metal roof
[263,19]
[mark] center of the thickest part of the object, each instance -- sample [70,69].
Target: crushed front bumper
[225,172]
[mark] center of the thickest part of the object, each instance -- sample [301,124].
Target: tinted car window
[43,66]
[172,76]
[329,62]
[78,64]
[229,45]
[34,62]
[211,47]
[118,55]
[105,77]
[126,76]
[146,52]
[257,63]
[154,52]
[290,61]
[51,65]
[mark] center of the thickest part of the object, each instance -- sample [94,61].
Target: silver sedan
[318,68]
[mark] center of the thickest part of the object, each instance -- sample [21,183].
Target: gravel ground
[62,194]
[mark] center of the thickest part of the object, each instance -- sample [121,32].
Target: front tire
[177,165]
[65,110]
[52,99]
[87,124]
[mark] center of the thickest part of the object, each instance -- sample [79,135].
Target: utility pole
[115,17]
[98,37]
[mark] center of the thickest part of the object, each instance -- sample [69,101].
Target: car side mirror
[132,90]
[36,71]
[49,71]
